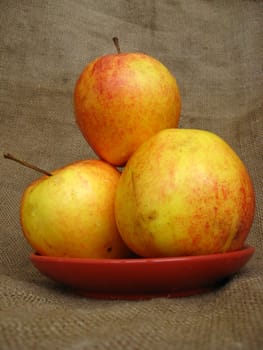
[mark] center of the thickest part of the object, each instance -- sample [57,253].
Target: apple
[184,192]
[121,100]
[71,213]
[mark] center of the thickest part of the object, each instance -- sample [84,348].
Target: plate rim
[246,250]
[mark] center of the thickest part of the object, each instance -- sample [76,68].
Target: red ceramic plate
[141,278]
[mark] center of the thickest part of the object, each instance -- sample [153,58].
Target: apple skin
[71,213]
[123,99]
[184,192]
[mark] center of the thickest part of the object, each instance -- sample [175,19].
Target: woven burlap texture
[214,48]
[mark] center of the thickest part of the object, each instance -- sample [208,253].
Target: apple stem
[28,165]
[116,43]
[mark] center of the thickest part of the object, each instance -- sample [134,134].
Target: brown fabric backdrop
[214,48]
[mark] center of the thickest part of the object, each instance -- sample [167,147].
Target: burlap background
[215,50]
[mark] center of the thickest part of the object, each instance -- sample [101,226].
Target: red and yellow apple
[184,192]
[121,100]
[71,213]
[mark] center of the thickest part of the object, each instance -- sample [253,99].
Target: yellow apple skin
[71,213]
[184,192]
[123,99]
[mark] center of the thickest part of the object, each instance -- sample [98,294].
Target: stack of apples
[155,190]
